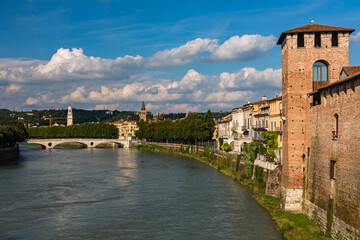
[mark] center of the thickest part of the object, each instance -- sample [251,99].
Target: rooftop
[351,70]
[313,27]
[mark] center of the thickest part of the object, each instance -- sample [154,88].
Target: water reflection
[125,194]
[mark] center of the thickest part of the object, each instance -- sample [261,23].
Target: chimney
[312,22]
[248,101]
[264,97]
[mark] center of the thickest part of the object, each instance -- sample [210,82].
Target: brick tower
[312,56]
[143,112]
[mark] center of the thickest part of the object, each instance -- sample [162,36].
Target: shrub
[229,160]
[192,149]
[237,163]
[226,147]
[212,155]
[221,141]
[187,149]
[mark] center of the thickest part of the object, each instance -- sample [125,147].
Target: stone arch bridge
[50,143]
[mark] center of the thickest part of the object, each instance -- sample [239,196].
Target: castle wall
[334,203]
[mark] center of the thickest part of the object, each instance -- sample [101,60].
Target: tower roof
[314,27]
[143,107]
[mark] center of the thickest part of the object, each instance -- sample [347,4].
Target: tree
[226,147]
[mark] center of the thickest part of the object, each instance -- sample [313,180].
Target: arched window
[320,72]
[280,106]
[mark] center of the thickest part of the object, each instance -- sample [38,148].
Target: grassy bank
[293,226]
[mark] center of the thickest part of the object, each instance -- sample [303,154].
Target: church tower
[143,112]
[69,116]
[312,56]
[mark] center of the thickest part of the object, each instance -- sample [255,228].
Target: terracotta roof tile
[352,70]
[314,27]
[338,82]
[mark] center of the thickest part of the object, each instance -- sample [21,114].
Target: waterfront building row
[247,123]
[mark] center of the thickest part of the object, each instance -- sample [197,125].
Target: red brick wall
[342,195]
[297,70]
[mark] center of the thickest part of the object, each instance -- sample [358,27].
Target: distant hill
[35,117]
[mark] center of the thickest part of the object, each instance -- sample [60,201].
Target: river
[124,194]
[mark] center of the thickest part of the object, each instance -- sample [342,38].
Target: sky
[177,56]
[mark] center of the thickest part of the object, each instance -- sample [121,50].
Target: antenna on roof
[312,22]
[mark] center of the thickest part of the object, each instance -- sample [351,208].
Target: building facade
[126,129]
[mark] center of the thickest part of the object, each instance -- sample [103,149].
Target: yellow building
[275,121]
[126,128]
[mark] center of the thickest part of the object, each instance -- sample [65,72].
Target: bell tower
[69,116]
[312,56]
[143,112]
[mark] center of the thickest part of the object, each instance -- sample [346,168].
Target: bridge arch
[58,144]
[118,144]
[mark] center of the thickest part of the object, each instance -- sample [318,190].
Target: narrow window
[271,126]
[317,39]
[336,131]
[275,125]
[280,138]
[332,169]
[300,40]
[280,125]
[334,39]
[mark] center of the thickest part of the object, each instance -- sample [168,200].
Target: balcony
[244,128]
[259,139]
[278,130]
[233,129]
[261,127]
[262,112]
[241,137]
[265,105]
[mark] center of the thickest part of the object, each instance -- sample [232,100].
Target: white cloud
[31,101]
[223,96]
[182,55]
[185,107]
[77,96]
[13,88]
[189,82]
[355,38]
[41,99]
[243,48]
[220,105]
[130,92]
[68,64]
[250,78]
[106,106]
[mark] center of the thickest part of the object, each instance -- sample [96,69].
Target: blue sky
[175,55]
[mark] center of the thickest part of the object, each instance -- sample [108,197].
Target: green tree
[226,147]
